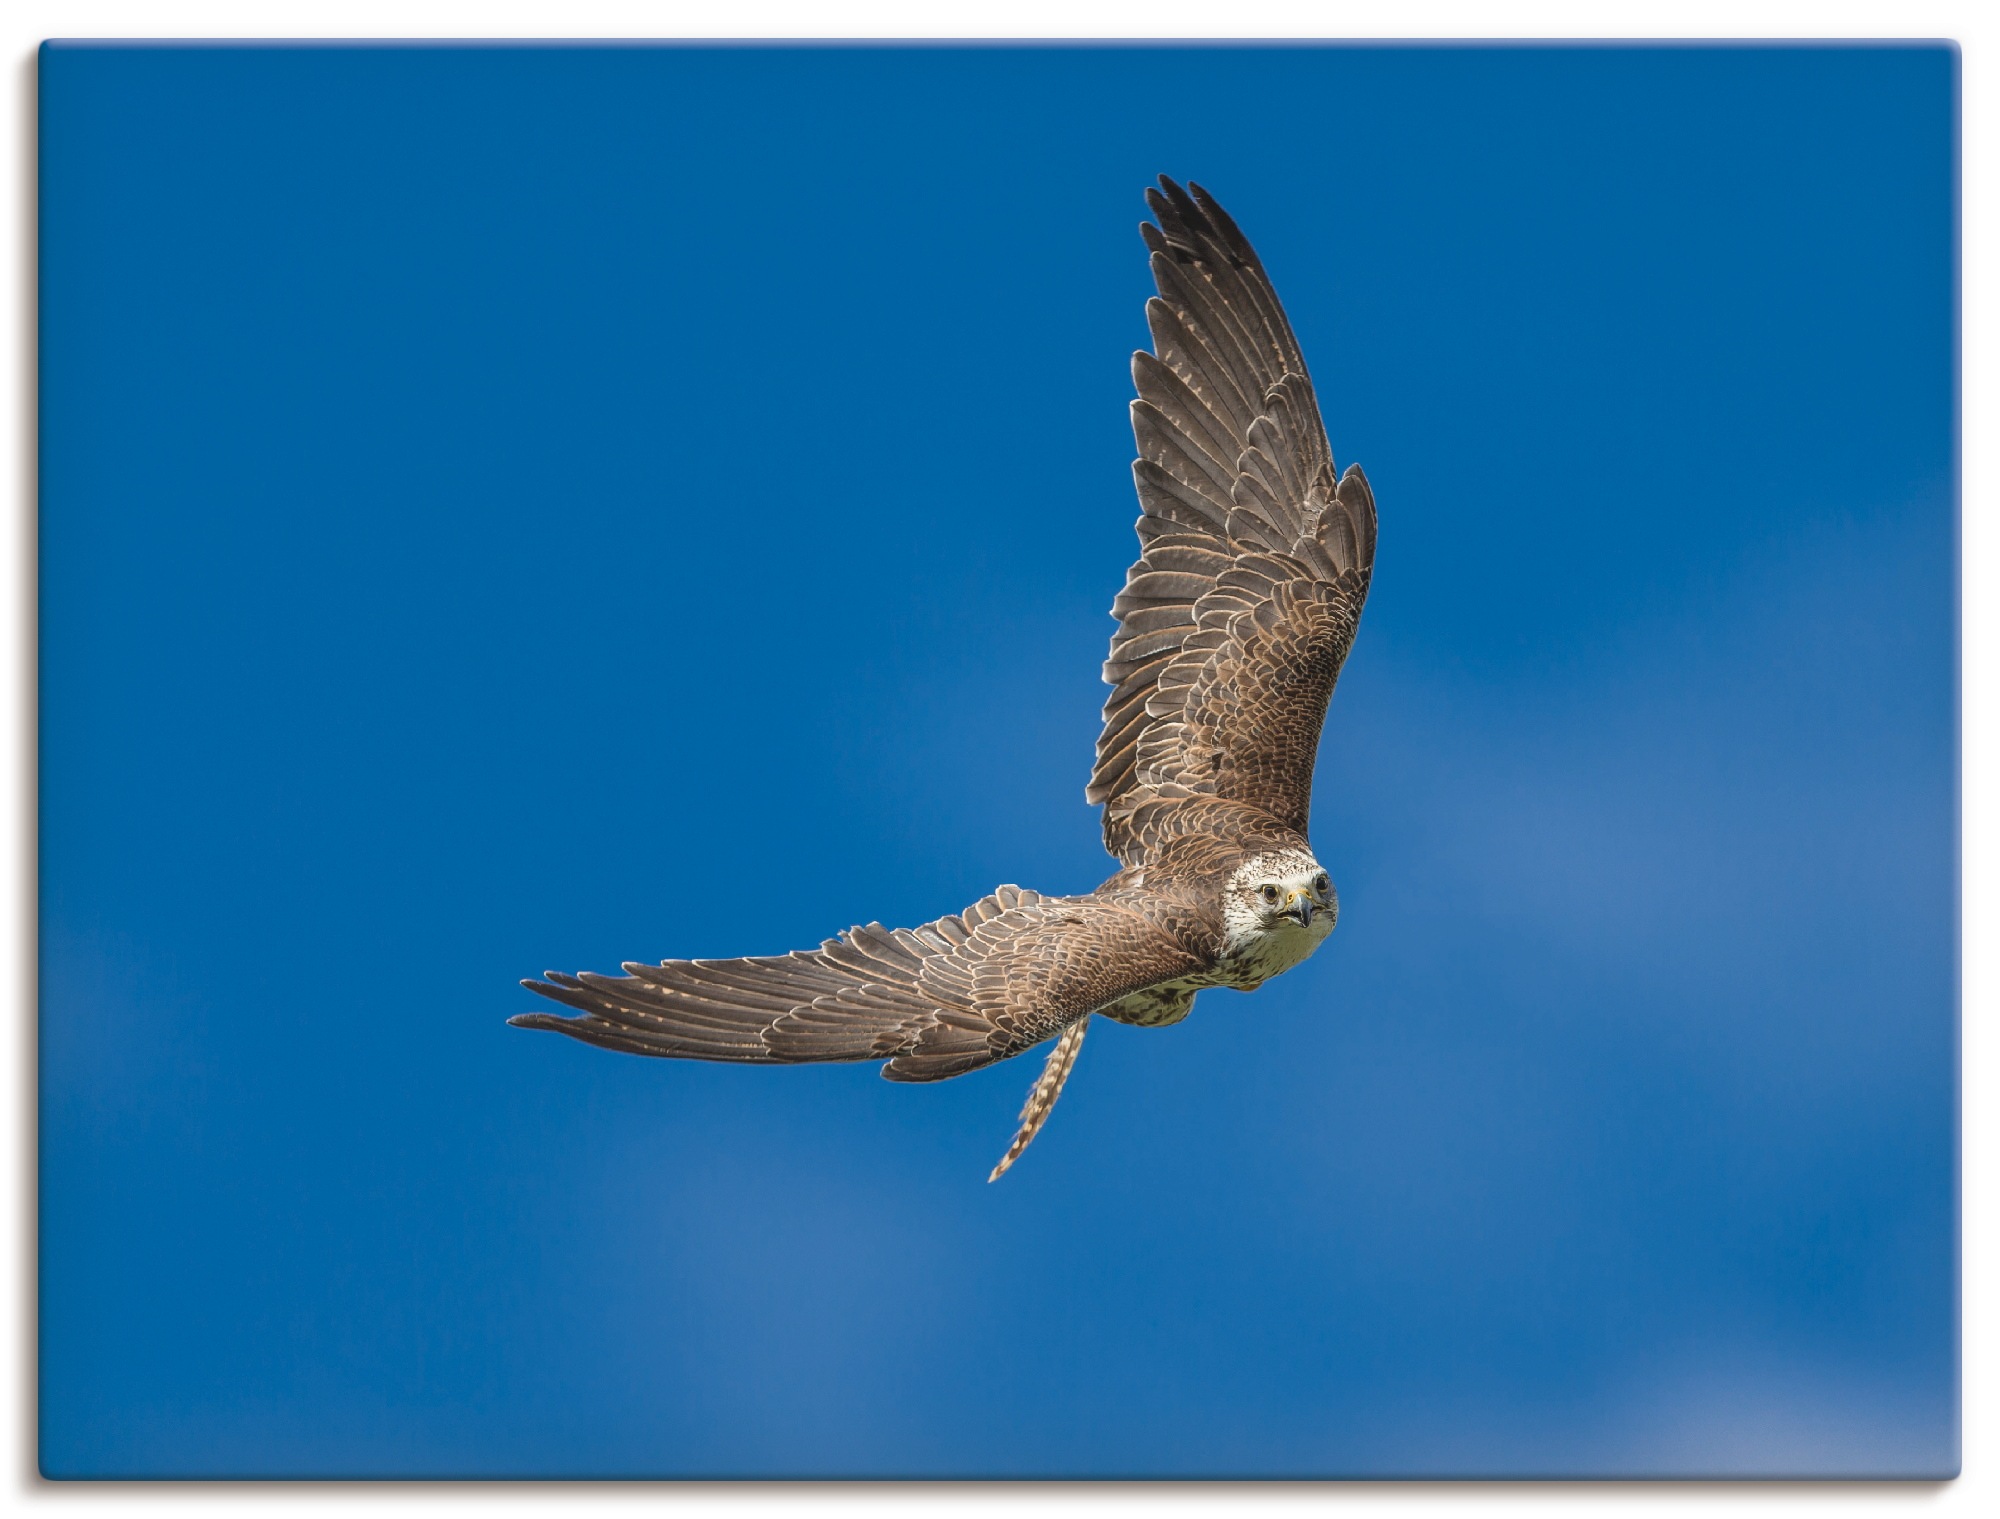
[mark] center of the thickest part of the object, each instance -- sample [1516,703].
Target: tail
[1042,1096]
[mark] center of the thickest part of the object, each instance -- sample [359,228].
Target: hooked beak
[1300,909]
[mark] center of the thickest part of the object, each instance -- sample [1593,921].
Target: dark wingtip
[549,985]
[549,978]
[554,1021]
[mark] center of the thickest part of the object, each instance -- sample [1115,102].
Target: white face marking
[1261,906]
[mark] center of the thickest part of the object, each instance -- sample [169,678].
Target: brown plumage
[1233,625]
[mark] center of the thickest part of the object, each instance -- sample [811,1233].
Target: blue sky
[496,503]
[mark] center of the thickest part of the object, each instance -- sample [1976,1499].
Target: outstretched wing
[1010,971]
[1255,557]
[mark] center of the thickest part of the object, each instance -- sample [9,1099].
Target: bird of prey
[1255,557]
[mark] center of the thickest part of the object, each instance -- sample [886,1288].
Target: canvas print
[651,511]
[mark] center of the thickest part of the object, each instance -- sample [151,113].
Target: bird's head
[1279,893]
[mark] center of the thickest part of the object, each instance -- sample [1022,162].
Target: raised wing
[1011,970]
[1255,557]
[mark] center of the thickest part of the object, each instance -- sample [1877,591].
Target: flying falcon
[1254,562]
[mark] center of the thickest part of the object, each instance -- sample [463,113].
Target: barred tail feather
[1042,1096]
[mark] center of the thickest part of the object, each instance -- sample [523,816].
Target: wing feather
[1255,556]
[1012,970]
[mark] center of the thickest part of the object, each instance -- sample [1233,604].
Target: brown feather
[1227,655]
[1010,971]
[1043,1094]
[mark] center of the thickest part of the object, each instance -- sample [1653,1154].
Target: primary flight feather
[1254,563]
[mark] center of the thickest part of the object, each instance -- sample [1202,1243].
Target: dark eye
[1268,893]
[1320,883]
